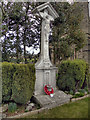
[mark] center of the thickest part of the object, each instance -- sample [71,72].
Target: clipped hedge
[72,75]
[7,79]
[18,82]
[23,84]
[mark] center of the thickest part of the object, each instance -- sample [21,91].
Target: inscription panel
[47,77]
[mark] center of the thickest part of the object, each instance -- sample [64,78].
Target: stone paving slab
[46,101]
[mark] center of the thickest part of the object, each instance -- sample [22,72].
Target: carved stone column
[45,70]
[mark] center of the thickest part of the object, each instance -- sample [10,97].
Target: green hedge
[72,75]
[23,84]
[18,82]
[7,79]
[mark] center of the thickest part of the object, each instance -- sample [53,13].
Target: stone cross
[46,19]
[45,70]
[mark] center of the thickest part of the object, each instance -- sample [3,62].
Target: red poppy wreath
[48,90]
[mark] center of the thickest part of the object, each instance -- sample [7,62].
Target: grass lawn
[77,109]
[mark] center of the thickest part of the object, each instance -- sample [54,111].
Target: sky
[32,50]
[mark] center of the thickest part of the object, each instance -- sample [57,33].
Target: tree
[10,31]
[66,31]
[21,29]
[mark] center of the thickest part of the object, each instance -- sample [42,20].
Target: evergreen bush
[78,95]
[12,107]
[7,79]
[72,75]
[23,83]
[17,82]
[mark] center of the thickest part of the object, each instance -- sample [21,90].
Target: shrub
[23,83]
[17,82]
[72,75]
[82,90]
[12,107]
[71,92]
[7,79]
[78,95]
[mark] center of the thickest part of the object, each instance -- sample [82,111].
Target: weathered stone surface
[28,102]
[2,115]
[0,109]
[32,104]
[43,77]
[49,102]
[45,70]
[29,107]
[5,107]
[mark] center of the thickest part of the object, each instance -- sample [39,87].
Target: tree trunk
[25,54]
[24,37]
[17,44]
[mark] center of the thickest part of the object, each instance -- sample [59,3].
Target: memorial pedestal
[45,76]
[46,101]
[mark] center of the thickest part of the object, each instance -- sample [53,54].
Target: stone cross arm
[50,9]
[46,16]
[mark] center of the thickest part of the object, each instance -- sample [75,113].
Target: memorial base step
[46,101]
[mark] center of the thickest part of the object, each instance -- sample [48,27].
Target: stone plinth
[46,101]
[45,76]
